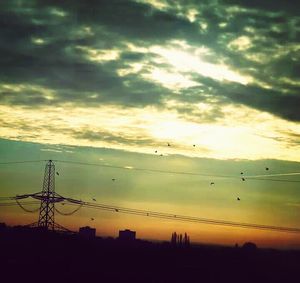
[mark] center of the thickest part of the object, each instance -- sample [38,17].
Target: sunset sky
[112,82]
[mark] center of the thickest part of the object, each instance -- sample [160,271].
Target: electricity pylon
[46,215]
[48,198]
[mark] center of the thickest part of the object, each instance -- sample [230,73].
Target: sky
[112,82]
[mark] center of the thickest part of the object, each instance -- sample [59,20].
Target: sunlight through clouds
[99,55]
[170,80]
[241,43]
[186,62]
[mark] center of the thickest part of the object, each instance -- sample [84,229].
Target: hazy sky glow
[130,76]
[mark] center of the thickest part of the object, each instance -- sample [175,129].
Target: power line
[55,198]
[168,216]
[160,215]
[246,177]
[276,174]
[272,180]
[254,177]
[20,162]
[183,218]
[6,198]
[68,213]
[26,209]
[16,204]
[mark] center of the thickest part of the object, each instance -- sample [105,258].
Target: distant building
[179,240]
[87,232]
[249,246]
[2,226]
[127,235]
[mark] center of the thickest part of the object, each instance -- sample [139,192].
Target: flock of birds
[243,179]
[156,151]
[212,183]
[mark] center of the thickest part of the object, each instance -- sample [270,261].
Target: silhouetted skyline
[79,259]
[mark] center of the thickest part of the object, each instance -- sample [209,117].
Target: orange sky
[109,223]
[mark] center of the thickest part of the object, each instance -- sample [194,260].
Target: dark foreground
[32,256]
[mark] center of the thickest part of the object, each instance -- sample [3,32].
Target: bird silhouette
[212,183]
[155,151]
[242,173]
[194,145]
[238,199]
[57,173]
[161,155]
[267,168]
[94,199]
[169,144]
[117,210]
[113,179]
[92,219]
[243,179]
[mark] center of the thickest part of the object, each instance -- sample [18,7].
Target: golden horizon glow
[108,224]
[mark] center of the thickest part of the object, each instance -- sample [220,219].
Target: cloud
[51,150]
[117,138]
[270,100]
[274,6]
[193,59]
[292,139]
[67,48]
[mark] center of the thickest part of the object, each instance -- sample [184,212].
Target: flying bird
[117,210]
[194,145]
[169,144]
[57,173]
[94,199]
[267,168]
[92,219]
[155,151]
[113,179]
[238,199]
[212,183]
[242,173]
[243,179]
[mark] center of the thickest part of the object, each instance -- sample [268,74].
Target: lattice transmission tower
[48,197]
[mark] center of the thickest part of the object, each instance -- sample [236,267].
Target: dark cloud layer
[93,135]
[57,63]
[280,104]
[290,7]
